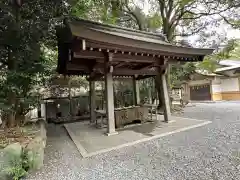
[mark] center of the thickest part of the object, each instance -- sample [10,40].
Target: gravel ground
[211,152]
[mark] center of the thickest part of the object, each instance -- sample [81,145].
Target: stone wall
[15,155]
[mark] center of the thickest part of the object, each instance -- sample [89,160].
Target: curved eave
[133,40]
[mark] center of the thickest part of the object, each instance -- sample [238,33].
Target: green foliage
[231,50]
[80,8]
[154,22]
[147,89]
[123,93]
[19,165]
[79,81]
[230,46]
[208,65]
[16,172]
[235,53]
[107,11]
[181,73]
[183,3]
[23,65]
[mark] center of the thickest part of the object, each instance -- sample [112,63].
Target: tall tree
[188,17]
[24,27]
[180,17]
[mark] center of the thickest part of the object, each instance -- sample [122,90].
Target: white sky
[233,33]
[224,31]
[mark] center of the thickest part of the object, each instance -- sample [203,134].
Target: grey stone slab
[91,141]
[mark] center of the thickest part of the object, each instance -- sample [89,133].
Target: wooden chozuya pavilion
[104,51]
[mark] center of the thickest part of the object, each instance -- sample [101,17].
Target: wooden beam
[88,55]
[144,77]
[129,72]
[95,77]
[76,67]
[159,49]
[119,64]
[99,69]
[148,66]
[117,57]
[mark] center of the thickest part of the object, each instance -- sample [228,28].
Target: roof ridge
[156,35]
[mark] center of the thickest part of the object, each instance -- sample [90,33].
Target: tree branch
[228,22]
[192,33]
[162,7]
[136,18]
[199,15]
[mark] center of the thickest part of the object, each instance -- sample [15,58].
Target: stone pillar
[136,93]
[92,96]
[165,98]
[109,97]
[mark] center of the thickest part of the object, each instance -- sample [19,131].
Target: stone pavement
[210,152]
[92,141]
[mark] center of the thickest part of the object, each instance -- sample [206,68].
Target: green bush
[16,172]
[18,165]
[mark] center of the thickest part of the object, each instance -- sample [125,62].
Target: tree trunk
[12,66]
[4,119]
[11,113]
[19,119]
[11,119]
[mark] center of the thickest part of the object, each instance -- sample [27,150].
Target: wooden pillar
[149,92]
[136,93]
[109,96]
[92,96]
[164,90]
[70,97]
[166,101]
[43,111]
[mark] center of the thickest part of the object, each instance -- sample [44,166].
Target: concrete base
[91,141]
[111,134]
[171,121]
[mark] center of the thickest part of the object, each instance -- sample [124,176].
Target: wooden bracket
[163,64]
